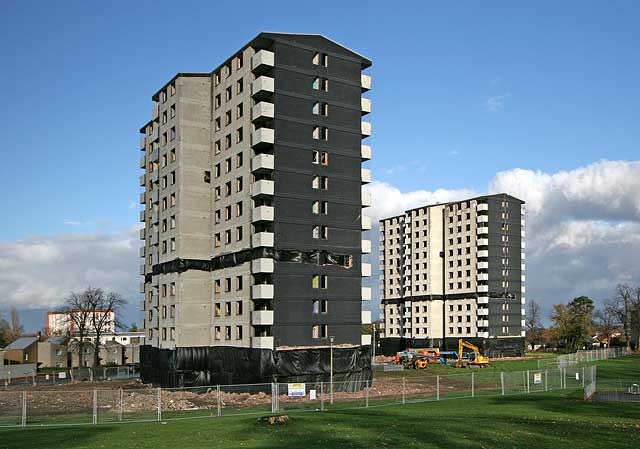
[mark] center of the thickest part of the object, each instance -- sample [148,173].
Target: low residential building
[61,323]
[454,270]
[111,353]
[22,350]
[53,352]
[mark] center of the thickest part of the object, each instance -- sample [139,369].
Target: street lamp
[331,368]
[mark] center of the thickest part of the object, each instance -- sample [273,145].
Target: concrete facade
[454,270]
[263,154]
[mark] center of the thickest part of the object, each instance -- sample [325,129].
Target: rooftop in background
[21,343]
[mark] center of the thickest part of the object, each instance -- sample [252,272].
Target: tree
[133,327]
[605,323]
[105,306]
[624,307]
[533,324]
[574,322]
[89,311]
[10,331]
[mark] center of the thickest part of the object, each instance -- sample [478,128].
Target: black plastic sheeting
[315,257]
[224,365]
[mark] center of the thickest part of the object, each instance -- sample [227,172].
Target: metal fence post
[502,382]
[546,384]
[273,397]
[404,400]
[219,404]
[95,406]
[583,377]
[322,396]
[159,404]
[528,386]
[473,384]
[366,392]
[120,405]
[24,409]
[277,397]
[438,388]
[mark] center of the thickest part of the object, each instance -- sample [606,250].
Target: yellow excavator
[473,358]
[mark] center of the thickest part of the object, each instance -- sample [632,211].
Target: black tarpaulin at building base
[224,365]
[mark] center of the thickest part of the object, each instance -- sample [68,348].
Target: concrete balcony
[143,161]
[482,207]
[142,198]
[262,318]
[523,289]
[483,300]
[366,293]
[154,238]
[366,200]
[155,135]
[483,288]
[261,188]
[482,242]
[262,61]
[142,216]
[154,176]
[522,222]
[262,265]
[143,232]
[155,195]
[483,253]
[142,180]
[483,323]
[262,112]
[366,223]
[522,266]
[264,239]
[483,276]
[482,230]
[483,265]
[365,152]
[365,82]
[483,334]
[262,291]
[155,217]
[262,88]
[522,256]
[155,111]
[365,175]
[483,312]
[365,129]
[262,138]
[365,340]
[141,306]
[482,219]
[142,251]
[262,213]
[523,278]
[365,106]
[262,342]
[143,143]
[142,270]
[366,247]
[366,317]
[366,270]
[262,163]
[142,284]
[522,244]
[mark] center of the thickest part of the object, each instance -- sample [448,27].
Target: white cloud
[39,272]
[582,225]
[496,103]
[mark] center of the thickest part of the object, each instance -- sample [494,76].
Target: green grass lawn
[558,419]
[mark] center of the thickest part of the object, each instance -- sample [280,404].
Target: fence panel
[245,399]
[304,396]
[192,402]
[455,386]
[59,407]
[420,389]
[347,395]
[11,408]
[515,382]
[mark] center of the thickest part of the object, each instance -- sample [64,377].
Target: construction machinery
[419,358]
[470,358]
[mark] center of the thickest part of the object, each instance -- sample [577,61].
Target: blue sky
[460,92]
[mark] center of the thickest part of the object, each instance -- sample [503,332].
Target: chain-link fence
[582,357]
[98,406]
[618,390]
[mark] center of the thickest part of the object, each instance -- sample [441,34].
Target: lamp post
[331,368]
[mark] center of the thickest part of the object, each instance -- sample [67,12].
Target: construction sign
[296,390]
[537,378]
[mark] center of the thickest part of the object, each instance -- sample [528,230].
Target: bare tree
[10,331]
[605,323]
[102,319]
[533,323]
[624,307]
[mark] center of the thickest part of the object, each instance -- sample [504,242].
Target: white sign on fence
[297,390]
[62,375]
[312,395]
[537,378]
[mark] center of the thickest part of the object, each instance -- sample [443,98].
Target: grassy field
[559,419]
